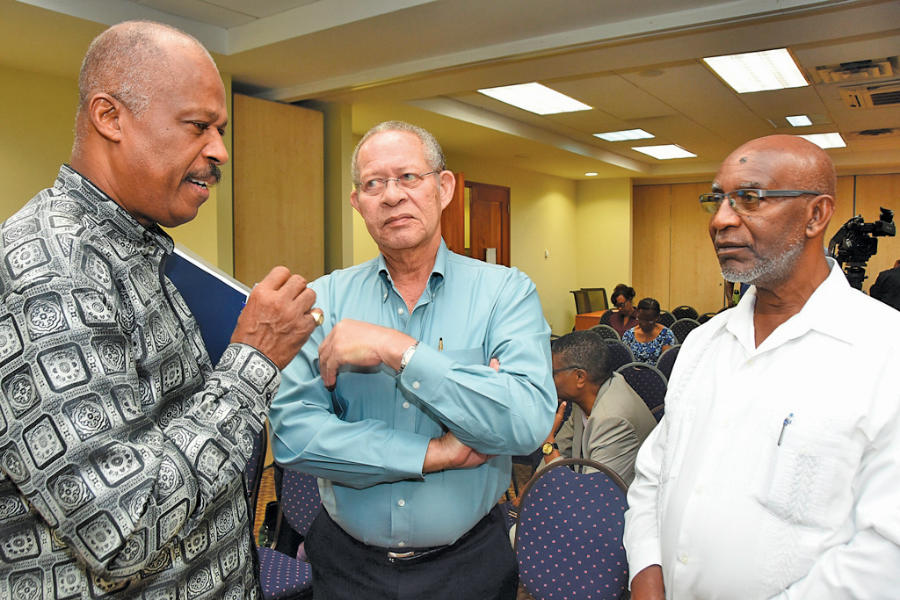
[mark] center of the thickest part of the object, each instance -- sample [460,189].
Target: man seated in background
[609,421]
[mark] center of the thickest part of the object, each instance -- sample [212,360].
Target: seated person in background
[887,287]
[648,339]
[609,421]
[623,318]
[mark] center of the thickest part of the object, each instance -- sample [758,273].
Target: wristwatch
[548,448]
[406,357]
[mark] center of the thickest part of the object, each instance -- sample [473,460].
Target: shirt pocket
[811,475]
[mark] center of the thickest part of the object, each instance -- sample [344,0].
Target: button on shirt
[366,441]
[774,472]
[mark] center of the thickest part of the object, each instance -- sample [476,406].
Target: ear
[105,112]
[448,185]
[354,199]
[819,212]
[580,378]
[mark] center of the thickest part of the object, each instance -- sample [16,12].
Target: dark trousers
[479,566]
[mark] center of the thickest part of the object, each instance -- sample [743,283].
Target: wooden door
[489,221]
[453,219]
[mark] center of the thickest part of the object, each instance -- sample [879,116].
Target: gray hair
[124,61]
[434,156]
[586,350]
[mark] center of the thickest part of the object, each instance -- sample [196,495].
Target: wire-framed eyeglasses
[377,185]
[746,200]
[569,368]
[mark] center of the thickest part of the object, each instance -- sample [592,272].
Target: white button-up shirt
[776,470]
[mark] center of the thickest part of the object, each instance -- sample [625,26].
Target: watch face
[547,448]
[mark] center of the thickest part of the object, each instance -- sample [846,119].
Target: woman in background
[623,318]
[648,339]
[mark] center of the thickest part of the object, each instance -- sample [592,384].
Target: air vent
[874,135]
[872,96]
[875,132]
[857,71]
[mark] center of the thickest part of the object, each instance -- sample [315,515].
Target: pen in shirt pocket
[787,421]
[440,344]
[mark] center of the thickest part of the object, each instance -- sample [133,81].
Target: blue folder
[215,298]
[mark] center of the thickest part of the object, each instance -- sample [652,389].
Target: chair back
[705,317]
[667,360]
[682,327]
[619,354]
[569,534]
[647,381]
[606,332]
[597,298]
[254,469]
[582,302]
[685,312]
[666,318]
[606,317]
[300,501]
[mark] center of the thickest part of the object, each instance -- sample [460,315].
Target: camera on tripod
[854,243]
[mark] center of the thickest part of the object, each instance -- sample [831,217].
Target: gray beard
[767,270]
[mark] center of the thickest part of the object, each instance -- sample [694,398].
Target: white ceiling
[637,63]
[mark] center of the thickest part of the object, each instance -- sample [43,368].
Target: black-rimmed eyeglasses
[377,185]
[569,368]
[746,200]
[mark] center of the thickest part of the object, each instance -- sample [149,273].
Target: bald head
[795,162]
[128,59]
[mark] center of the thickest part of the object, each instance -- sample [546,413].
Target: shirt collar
[818,314]
[434,280]
[96,202]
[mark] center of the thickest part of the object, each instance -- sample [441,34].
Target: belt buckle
[392,556]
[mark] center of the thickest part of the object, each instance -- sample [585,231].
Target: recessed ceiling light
[799,120]
[535,98]
[590,174]
[664,152]
[826,140]
[758,71]
[626,134]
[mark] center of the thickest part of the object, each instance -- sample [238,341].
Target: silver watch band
[406,357]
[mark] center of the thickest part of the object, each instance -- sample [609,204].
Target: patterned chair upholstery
[667,360]
[606,332]
[619,354]
[647,381]
[285,577]
[666,318]
[682,327]
[606,317]
[569,534]
[685,312]
[706,317]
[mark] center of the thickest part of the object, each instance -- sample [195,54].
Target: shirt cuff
[642,555]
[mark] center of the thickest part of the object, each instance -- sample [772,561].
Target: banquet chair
[682,327]
[647,381]
[582,302]
[285,577]
[706,317]
[569,534]
[619,354]
[597,298]
[667,360]
[685,312]
[606,332]
[665,318]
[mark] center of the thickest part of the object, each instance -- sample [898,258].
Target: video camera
[854,243]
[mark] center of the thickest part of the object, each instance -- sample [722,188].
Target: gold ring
[318,316]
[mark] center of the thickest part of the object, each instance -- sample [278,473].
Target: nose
[393,194]
[215,150]
[725,216]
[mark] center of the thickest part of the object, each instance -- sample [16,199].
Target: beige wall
[603,234]
[37,113]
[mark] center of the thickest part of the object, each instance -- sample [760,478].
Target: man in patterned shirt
[121,446]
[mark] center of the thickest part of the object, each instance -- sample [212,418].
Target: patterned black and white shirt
[121,447]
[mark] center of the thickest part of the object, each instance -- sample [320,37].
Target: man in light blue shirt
[430,370]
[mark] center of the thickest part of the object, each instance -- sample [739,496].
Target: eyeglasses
[746,200]
[569,368]
[377,185]
[620,303]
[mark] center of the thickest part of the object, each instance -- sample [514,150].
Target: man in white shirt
[774,472]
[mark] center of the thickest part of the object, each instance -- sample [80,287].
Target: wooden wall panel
[695,277]
[872,192]
[278,189]
[651,241]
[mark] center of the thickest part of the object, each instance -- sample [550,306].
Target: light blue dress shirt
[366,440]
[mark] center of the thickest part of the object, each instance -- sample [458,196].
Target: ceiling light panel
[758,71]
[799,120]
[535,98]
[664,152]
[624,135]
[826,140]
